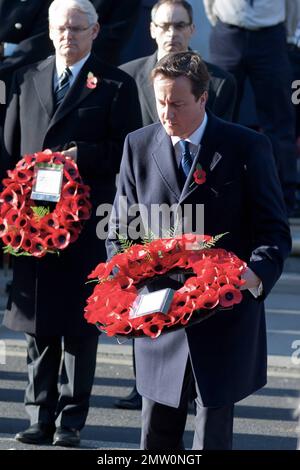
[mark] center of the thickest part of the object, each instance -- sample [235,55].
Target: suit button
[18,25]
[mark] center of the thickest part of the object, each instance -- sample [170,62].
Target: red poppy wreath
[214,282]
[29,227]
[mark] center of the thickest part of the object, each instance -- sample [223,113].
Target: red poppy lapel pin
[91,81]
[199,175]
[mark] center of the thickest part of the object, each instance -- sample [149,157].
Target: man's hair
[184,64]
[183,3]
[84,6]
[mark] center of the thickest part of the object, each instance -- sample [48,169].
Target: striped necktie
[186,159]
[62,86]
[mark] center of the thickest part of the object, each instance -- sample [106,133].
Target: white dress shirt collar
[75,69]
[194,139]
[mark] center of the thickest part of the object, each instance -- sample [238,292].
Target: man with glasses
[172,28]
[74,103]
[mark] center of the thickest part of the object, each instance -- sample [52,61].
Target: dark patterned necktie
[186,159]
[63,86]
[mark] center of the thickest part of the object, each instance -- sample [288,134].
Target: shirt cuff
[256,291]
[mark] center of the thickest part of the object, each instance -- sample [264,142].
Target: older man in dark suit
[172,28]
[48,295]
[225,356]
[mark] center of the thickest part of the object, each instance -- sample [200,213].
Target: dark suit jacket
[241,196]
[32,36]
[117,19]
[221,97]
[48,295]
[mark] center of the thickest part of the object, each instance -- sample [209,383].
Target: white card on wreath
[48,180]
[153,302]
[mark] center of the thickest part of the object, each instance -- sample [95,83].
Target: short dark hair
[183,3]
[184,64]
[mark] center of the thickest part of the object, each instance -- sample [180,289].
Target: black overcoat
[48,295]
[24,23]
[241,196]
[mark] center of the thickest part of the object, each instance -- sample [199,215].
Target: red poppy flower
[50,222]
[23,176]
[21,222]
[102,271]
[9,196]
[26,243]
[199,176]
[84,190]
[91,81]
[70,171]
[44,157]
[7,238]
[27,161]
[3,227]
[33,229]
[74,234]
[38,247]
[84,213]
[69,190]
[61,238]
[230,296]
[11,216]
[17,239]
[119,327]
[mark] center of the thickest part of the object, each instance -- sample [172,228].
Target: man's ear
[203,98]
[50,33]
[96,30]
[152,30]
[192,28]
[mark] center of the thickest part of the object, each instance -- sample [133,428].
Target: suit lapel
[146,86]
[205,156]
[165,161]
[78,92]
[43,82]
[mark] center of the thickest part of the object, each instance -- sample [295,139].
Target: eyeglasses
[71,29]
[180,26]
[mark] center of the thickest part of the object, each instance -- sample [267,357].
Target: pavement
[264,421]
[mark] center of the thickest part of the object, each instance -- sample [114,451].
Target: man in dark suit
[48,295]
[225,356]
[117,20]
[172,28]
[24,39]
[23,34]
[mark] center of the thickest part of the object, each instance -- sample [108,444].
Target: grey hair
[188,8]
[84,6]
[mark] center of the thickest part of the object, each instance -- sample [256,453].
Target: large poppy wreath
[30,228]
[214,282]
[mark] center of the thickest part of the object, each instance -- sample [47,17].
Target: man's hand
[252,281]
[71,152]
